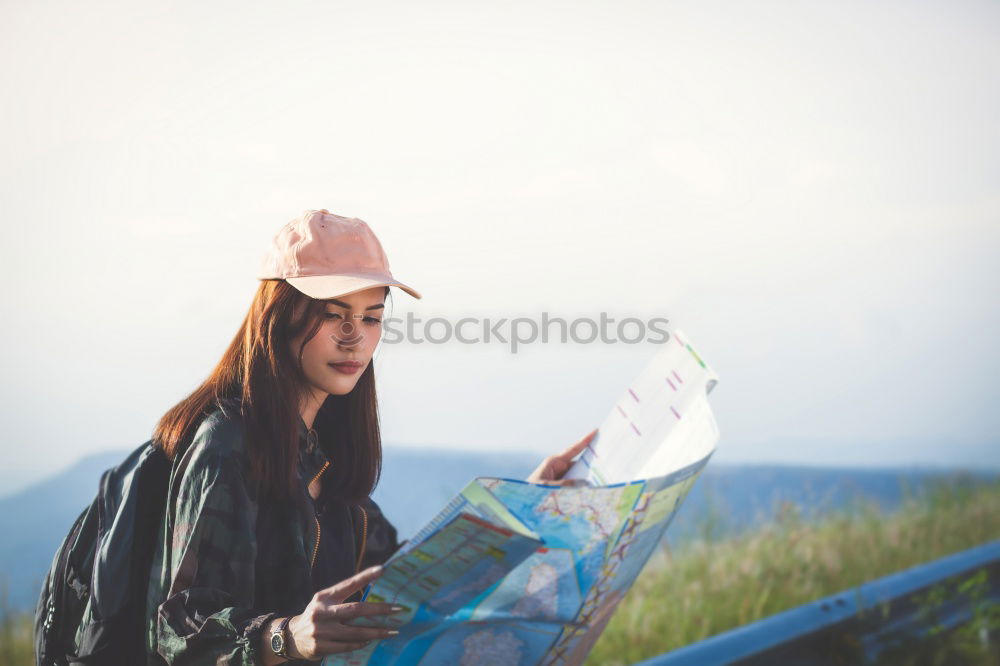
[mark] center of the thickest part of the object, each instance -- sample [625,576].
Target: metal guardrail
[855,625]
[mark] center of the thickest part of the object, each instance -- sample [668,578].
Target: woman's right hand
[320,630]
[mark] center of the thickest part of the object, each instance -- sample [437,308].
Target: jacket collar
[313,459]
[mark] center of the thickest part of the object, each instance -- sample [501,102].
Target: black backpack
[92,608]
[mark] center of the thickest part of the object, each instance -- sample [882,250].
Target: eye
[372,321]
[331,315]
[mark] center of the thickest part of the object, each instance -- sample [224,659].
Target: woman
[270,535]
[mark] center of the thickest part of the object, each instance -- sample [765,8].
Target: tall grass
[16,648]
[707,586]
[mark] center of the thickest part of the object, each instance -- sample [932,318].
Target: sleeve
[381,541]
[208,616]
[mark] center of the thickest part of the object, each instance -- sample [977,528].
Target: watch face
[277,643]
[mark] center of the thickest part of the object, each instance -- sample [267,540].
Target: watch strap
[280,629]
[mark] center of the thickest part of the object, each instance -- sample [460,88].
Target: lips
[346,367]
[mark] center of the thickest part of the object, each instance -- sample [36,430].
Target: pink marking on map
[678,340]
[674,411]
[678,377]
[622,411]
[634,428]
[672,385]
[634,395]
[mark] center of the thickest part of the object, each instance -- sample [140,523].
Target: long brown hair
[260,374]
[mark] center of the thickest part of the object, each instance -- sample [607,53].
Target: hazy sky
[808,190]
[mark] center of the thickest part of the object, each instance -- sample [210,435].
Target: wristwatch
[278,642]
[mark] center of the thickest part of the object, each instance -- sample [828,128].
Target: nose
[348,335]
[343,344]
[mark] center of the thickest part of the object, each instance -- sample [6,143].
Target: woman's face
[341,350]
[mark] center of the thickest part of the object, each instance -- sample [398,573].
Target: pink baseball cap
[325,255]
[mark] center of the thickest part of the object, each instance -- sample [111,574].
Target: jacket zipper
[364,528]
[316,516]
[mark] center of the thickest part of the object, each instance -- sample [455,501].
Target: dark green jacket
[224,565]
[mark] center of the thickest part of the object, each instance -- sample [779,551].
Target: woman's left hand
[552,469]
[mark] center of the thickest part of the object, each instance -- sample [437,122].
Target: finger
[579,446]
[567,482]
[353,634]
[333,647]
[345,612]
[349,586]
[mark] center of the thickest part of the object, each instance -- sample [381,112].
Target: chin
[340,388]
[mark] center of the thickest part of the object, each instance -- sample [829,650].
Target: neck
[309,406]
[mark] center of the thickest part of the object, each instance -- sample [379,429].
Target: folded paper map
[514,573]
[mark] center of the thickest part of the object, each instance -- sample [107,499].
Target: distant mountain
[732,498]
[35,520]
[416,483]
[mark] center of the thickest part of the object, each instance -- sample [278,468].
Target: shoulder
[210,498]
[220,432]
[217,444]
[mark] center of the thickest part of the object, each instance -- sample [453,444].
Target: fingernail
[392,632]
[375,569]
[396,609]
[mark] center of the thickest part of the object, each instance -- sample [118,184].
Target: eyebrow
[334,301]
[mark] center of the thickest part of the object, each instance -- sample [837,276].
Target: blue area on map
[574,530]
[523,593]
[491,643]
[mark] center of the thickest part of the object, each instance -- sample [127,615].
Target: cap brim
[331,286]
